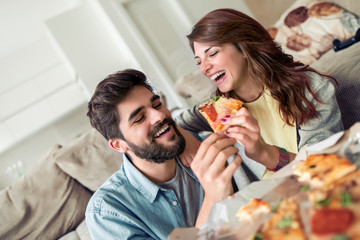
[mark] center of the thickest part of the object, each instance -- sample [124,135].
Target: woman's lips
[220,80]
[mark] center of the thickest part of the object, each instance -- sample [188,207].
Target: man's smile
[164,129]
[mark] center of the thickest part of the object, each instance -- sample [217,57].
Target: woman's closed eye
[214,53]
[210,55]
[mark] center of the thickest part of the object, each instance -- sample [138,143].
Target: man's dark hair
[108,94]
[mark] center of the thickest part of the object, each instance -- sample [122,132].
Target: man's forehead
[137,98]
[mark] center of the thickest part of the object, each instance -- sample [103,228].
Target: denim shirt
[128,205]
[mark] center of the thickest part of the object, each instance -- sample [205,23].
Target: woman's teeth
[216,75]
[161,131]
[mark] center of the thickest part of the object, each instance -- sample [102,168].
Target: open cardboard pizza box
[223,222]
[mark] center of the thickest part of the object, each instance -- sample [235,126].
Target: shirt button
[174,203]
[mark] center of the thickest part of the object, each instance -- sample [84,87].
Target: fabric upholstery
[45,203]
[89,160]
[344,66]
[194,87]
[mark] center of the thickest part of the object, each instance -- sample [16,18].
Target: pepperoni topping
[327,221]
[210,111]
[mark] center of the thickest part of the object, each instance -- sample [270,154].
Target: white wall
[38,93]
[88,46]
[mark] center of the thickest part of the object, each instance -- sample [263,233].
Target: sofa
[49,201]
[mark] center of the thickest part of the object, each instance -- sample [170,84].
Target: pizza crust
[323,169]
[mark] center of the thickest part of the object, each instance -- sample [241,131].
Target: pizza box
[223,222]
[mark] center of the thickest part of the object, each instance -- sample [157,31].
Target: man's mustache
[168,121]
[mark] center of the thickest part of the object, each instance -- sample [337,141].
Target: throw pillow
[307,29]
[90,160]
[45,203]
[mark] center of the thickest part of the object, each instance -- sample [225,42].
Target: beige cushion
[344,66]
[71,236]
[307,29]
[195,87]
[260,10]
[90,160]
[45,203]
[83,231]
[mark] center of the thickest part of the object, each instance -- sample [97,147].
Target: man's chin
[159,151]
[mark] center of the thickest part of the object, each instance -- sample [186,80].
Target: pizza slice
[335,210]
[254,209]
[323,169]
[284,223]
[217,108]
[251,216]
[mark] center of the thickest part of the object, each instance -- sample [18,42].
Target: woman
[287,105]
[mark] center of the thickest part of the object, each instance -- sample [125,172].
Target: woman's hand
[245,129]
[192,145]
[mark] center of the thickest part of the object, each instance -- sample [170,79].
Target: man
[153,192]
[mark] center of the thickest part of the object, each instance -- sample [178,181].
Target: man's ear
[118,145]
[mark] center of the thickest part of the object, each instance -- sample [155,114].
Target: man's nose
[156,116]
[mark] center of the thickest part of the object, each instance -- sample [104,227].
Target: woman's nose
[205,66]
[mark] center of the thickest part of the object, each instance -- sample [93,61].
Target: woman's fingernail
[223,120]
[227,116]
[227,132]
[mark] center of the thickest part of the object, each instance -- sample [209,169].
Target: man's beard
[157,152]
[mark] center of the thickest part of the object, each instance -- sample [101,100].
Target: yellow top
[273,129]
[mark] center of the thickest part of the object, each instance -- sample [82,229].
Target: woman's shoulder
[318,81]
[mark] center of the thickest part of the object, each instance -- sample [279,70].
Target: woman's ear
[118,145]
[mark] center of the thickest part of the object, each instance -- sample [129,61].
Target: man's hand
[209,167]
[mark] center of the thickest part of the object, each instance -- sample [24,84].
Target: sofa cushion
[71,236]
[45,203]
[308,28]
[344,66]
[194,87]
[90,160]
[83,231]
[260,10]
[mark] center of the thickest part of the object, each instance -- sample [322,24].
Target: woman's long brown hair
[277,71]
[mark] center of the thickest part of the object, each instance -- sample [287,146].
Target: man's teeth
[161,131]
[213,77]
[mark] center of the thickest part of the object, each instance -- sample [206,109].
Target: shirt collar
[140,182]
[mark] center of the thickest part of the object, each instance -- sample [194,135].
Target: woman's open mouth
[217,77]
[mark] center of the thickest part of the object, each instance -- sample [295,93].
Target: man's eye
[198,63]
[139,119]
[158,105]
[214,53]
